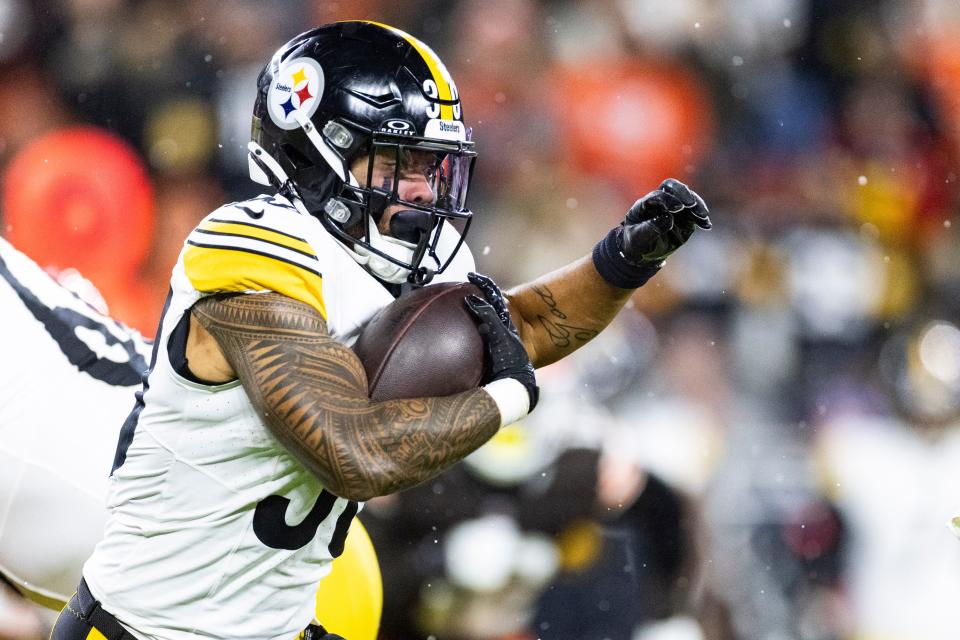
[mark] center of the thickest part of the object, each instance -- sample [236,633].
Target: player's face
[413,181]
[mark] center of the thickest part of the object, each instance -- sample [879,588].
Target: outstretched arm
[311,392]
[558,313]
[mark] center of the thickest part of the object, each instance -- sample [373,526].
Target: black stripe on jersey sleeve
[253,251]
[312,256]
[255,226]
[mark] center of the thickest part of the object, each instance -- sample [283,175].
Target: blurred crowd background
[764,445]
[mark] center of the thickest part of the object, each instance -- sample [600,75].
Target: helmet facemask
[352,216]
[408,251]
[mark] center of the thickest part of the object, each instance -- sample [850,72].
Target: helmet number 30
[433,109]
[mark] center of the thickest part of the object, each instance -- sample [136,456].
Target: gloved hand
[661,221]
[655,226]
[506,356]
[493,295]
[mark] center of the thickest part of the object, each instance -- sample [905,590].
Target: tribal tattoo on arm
[311,392]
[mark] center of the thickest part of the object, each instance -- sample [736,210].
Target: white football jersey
[68,378]
[215,529]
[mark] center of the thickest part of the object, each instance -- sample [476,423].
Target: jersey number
[270,523]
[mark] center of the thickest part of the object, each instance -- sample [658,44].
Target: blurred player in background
[892,458]
[67,382]
[69,374]
[253,440]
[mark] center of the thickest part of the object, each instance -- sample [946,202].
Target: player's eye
[418,162]
[437,165]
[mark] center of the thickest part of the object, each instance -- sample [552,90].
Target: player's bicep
[301,381]
[283,355]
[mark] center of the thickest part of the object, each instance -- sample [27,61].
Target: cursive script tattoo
[311,392]
[555,322]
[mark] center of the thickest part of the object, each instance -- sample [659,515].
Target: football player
[66,383]
[253,442]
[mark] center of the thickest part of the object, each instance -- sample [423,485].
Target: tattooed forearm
[563,310]
[555,323]
[312,394]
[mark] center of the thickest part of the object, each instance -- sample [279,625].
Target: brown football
[423,344]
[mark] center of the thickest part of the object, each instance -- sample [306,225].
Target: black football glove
[493,295]
[506,356]
[661,221]
[656,225]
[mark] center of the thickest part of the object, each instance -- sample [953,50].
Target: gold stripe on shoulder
[219,270]
[258,233]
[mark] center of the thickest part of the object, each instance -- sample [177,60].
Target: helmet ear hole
[299,160]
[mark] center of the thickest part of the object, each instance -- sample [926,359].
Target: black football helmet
[352,89]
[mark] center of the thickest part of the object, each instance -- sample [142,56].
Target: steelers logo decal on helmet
[298,86]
